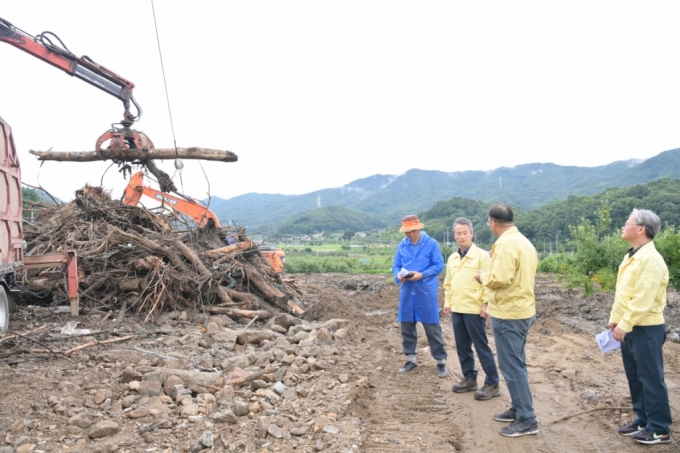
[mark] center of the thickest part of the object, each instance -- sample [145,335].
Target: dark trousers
[468,330]
[409,339]
[641,350]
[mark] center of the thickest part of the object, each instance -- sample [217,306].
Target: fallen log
[135,259]
[236,313]
[251,301]
[95,343]
[245,245]
[132,155]
[252,376]
[43,284]
[271,293]
[140,241]
[202,270]
[130,284]
[10,337]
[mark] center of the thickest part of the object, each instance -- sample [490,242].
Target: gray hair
[647,219]
[463,221]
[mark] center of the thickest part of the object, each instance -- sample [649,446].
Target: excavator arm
[136,188]
[85,69]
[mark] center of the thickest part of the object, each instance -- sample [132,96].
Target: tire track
[405,412]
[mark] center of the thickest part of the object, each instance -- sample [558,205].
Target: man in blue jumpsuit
[417,264]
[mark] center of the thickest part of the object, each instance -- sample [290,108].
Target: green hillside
[551,222]
[331,219]
[527,186]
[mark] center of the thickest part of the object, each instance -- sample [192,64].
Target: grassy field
[338,257]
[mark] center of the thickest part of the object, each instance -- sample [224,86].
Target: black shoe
[441,370]
[631,428]
[487,392]
[508,416]
[518,428]
[466,385]
[408,366]
[647,437]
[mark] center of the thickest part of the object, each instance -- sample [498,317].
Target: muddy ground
[331,382]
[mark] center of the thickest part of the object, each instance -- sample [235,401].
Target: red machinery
[86,69]
[275,256]
[12,236]
[184,205]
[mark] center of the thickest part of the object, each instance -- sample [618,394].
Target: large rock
[241,408]
[224,337]
[285,320]
[334,324]
[256,336]
[275,431]
[231,363]
[265,358]
[225,416]
[192,378]
[129,375]
[226,395]
[104,428]
[207,439]
[170,382]
[189,410]
[81,420]
[150,388]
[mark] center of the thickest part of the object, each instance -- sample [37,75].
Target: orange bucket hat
[410,223]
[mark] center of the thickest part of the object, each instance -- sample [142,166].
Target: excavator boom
[197,212]
[85,69]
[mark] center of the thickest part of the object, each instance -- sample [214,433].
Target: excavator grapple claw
[122,139]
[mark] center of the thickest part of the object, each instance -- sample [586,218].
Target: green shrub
[556,264]
[668,244]
[324,264]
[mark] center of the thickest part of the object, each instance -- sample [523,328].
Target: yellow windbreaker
[510,281]
[640,290]
[461,291]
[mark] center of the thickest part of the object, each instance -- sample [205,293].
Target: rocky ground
[190,382]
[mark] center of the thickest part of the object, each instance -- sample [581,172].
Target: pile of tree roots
[148,261]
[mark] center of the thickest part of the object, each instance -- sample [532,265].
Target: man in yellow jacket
[465,301]
[509,287]
[637,321]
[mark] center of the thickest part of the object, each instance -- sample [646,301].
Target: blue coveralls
[418,299]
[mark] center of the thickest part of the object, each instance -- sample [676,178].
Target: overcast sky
[315,94]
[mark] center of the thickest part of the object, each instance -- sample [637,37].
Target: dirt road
[348,395]
[417,412]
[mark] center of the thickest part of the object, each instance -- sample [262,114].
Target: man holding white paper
[637,321]
[417,263]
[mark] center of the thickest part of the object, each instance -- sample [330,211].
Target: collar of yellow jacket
[643,250]
[512,229]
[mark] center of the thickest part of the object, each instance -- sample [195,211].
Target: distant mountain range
[527,186]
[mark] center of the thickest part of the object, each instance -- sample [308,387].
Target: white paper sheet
[606,341]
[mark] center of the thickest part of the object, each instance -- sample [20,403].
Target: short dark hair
[501,213]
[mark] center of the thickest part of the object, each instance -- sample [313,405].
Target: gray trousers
[409,339]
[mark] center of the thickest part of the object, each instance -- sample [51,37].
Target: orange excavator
[182,204]
[194,210]
[275,256]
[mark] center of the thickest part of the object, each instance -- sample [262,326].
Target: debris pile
[134,259]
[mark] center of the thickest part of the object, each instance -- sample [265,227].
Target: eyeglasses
[631,224]
[488,222]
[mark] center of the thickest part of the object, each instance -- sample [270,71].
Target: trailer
[12,257]
[11,220]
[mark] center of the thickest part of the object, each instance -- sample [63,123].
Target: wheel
[4,311]
[11,298]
